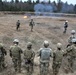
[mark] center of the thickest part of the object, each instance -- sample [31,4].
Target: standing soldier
[31,24]
[71,55]
[15,53]
[29,55]
[2,58]
[45,54]
[57,59]
[71,37]
[65,26]
[18,25]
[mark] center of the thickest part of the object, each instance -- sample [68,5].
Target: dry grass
[50,29]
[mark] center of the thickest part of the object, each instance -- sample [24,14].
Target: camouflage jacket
[15,51]
[71,51]
[29,54]
[2,50]
[58,56]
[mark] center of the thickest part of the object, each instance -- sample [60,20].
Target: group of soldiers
[44,53]
[31,24]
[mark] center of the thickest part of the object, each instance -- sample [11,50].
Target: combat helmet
[66,21]
[16,40]
[73,32]
[46,43]
[59,45]
[29,45]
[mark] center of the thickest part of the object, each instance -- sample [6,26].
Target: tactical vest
[16,52]
[58,56]
[45,54]
[28,54]
[70,39]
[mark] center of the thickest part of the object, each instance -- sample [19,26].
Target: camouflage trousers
[31,28]
[17,27]
[2,64]
[70,64]
[44,68]
[65,29]
[56,67]
[17,64]
[29,67]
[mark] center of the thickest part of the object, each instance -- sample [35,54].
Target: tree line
[26,5]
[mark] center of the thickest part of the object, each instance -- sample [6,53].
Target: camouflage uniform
[31,24]
[57,60]
[45,54]
[71,37]
[65,26]
[15,53]
[2,58]
[71,56]
[17,25]
[29,55]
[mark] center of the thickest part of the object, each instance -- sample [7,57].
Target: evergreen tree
[38,1]
[12,1]
[0,1]
[75,8]
[16,1]
[49,1]
[29,1]
[59,6]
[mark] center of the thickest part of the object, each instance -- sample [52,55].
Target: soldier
[31,24]
[65,26]
[2,58]
[29,55]
[45,54]
[57,59]
[18,25]
[71,55]
[15,53]
[71,37]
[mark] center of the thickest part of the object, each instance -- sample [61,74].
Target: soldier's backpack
[28,54]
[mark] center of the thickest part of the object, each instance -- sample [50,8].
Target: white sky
[69,1]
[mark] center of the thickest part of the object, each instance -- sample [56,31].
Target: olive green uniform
[57,60]
[18,25]
[2,58]
[15,53]
[31,24]
[70,40]
[65,27]
[29,60]
[71,56]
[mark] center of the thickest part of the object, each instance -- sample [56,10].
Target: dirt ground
[46,28]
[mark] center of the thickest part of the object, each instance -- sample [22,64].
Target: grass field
[46,28]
